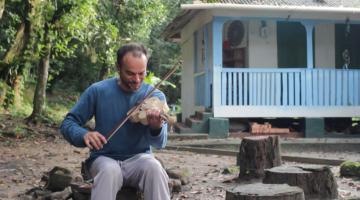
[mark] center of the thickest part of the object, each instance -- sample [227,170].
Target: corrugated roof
[347,8]
[321,3]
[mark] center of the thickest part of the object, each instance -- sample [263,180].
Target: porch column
[309,27]
[217,27]
[207,67]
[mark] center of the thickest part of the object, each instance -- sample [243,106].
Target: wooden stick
[136,107]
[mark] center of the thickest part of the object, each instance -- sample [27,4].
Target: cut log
[318,182]
[258,153]
[260,191]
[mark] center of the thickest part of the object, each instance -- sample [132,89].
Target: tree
[62,22]
[11,69]
[2,7]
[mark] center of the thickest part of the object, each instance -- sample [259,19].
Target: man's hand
[154,118]
[94,139]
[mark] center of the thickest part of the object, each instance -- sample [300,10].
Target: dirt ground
[24,161]
[22,164]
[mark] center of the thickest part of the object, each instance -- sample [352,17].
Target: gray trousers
[142,171]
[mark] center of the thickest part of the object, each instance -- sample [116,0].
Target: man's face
[132,72]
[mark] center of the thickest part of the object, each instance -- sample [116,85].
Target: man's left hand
[154,119]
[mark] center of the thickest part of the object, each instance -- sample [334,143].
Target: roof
[343,8]
[320,3]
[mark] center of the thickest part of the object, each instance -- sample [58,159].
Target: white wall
[187,78]
[325,46]
[187,51]
[262,51]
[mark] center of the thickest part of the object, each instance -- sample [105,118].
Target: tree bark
[42,77]
[318,182]
[257,154]
[104,71]
[40,90]
[19,44]
[17,87]
[2,7]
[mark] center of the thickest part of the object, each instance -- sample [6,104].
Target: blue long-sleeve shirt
[108,103]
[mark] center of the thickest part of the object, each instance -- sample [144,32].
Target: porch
[288,92]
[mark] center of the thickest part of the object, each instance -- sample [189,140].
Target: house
[270,58]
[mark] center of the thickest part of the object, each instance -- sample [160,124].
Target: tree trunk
[318,182]
[104,71]
[40,90]
[3,90]
[42,77]
[2,7]
[258,153]
[17,87]
[15,52]
[259,191]
[19,43]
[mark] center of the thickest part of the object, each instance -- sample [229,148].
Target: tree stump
[260,191]
[318,182]
[258,153]
[82,191]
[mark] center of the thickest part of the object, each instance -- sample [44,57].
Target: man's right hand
[94,139]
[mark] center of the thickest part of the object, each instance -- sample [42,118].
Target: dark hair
[135,48]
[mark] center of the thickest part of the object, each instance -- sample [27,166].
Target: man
[125,159]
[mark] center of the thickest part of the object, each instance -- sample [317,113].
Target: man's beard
[129,85]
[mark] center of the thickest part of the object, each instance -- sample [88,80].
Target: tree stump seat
[260,191]
[82,191]
[258,153]
[317,182]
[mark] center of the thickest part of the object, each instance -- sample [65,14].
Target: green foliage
[153,80]
[350,168]
[83,37]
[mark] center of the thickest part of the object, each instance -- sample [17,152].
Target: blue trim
[196,51]
[315,79]
[290,87]
[333,88]
[338,89]
[327,88]
[356,90]
[217,26]
[297,89]
[345,88]
[291,91]
[351,88]
[309,27]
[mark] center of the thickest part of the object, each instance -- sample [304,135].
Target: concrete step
[190,122]
[203,115]
[182,128]
[187,136]
[198,126]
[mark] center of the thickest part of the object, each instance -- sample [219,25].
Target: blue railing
[290,87]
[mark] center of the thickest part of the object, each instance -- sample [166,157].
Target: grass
[57,105]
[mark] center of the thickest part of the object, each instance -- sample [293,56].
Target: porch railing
[290,87]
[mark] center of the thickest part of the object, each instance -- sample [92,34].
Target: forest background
[51,50]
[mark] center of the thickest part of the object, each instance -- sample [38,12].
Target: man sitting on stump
[125,159]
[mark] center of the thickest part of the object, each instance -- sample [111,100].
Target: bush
[350,168]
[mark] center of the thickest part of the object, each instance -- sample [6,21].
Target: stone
[59,179]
